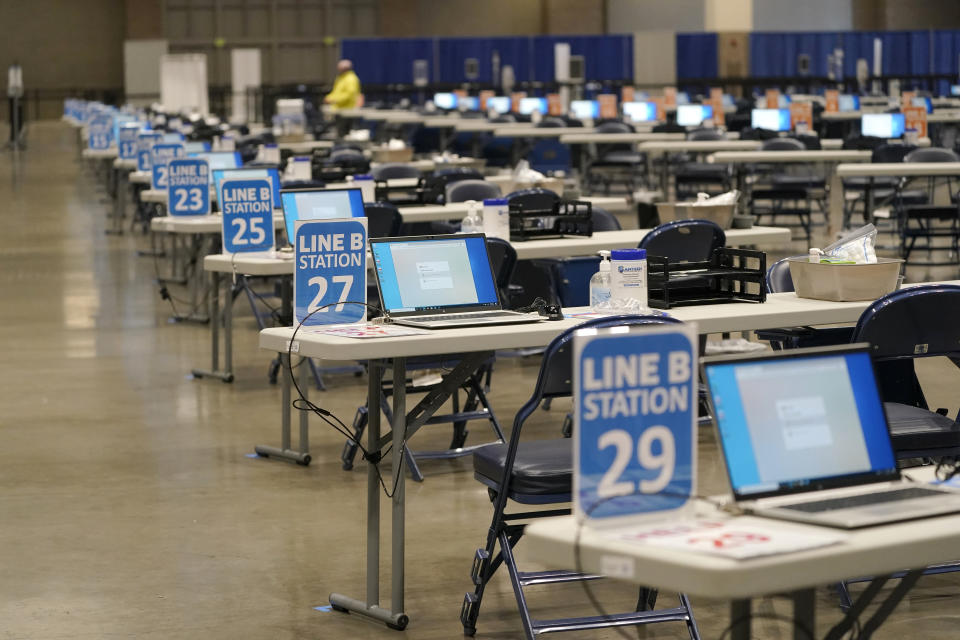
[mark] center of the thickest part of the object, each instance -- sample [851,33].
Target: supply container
[628,275]
[722,214]
[496,218]
[367,186]
[844,282]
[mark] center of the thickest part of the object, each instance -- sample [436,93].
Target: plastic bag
[858,246]
[704,199]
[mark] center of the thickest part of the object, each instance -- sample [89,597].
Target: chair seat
[542,467]
[616,158]
[693,170]
[810,182]
[916,429]
[861,184]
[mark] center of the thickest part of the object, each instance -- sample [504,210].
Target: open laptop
[804,436]
[318,204]
[438,282]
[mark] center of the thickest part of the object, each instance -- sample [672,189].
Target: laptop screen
[319,204]
[585,109]
[798,422]
[219,160]
[770,119]
[434,273]
[693,115]
[271,174]
[882,125]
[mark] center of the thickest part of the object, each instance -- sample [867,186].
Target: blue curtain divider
[696,55]
[385,60]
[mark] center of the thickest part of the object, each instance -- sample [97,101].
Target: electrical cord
[165,292]
[591,596]
[274,311]
[301,403]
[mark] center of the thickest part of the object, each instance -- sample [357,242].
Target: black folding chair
[541,473]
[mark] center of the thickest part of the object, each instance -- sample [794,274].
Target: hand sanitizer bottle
[600,282]
[472,223]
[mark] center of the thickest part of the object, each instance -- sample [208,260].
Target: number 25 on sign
[635,403]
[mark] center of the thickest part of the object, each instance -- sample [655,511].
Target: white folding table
[476,344]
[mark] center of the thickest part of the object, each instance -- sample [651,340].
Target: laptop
[318,204]
[804,437]
[439,282]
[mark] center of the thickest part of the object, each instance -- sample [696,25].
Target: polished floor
[130,505]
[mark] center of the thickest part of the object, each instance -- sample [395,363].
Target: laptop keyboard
[464,316]
[863,500]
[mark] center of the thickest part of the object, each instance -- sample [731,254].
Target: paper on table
[371,331]
[730,539]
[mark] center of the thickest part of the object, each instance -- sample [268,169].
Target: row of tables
[877,550]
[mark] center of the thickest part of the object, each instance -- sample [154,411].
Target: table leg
[398,517]
[392,617]
[284,452]
[740,618]
[804,607]
[225,374]
[119,204]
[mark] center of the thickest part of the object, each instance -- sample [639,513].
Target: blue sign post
[188,187]
[331,270]
[100,132]
[635,413]
[160,155]
[127,141]
[247,208]
[145,142]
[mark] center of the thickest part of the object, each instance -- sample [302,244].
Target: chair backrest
[504,117]
[463,190]
[571,276]
[684,240]
[614,126]
[395,170]
[706,134]
[551,122]
[383,219]
[346,155]
[534,199]
[890,152]
[810,142]
[556,370]
[916,322]
[778,277]
[783,144]
[932,154]
[603,220]
[503,259]
[862,143]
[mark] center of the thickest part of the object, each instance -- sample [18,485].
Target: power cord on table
[301,403]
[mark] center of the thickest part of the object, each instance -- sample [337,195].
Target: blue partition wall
[697,56]
[385,61]
[774,54]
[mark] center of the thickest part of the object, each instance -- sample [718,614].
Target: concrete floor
[129,505]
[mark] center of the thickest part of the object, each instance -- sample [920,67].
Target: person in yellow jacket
[346,87]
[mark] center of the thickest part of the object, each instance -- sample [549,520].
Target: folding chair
[616,162]
[917,322]
[541,473]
